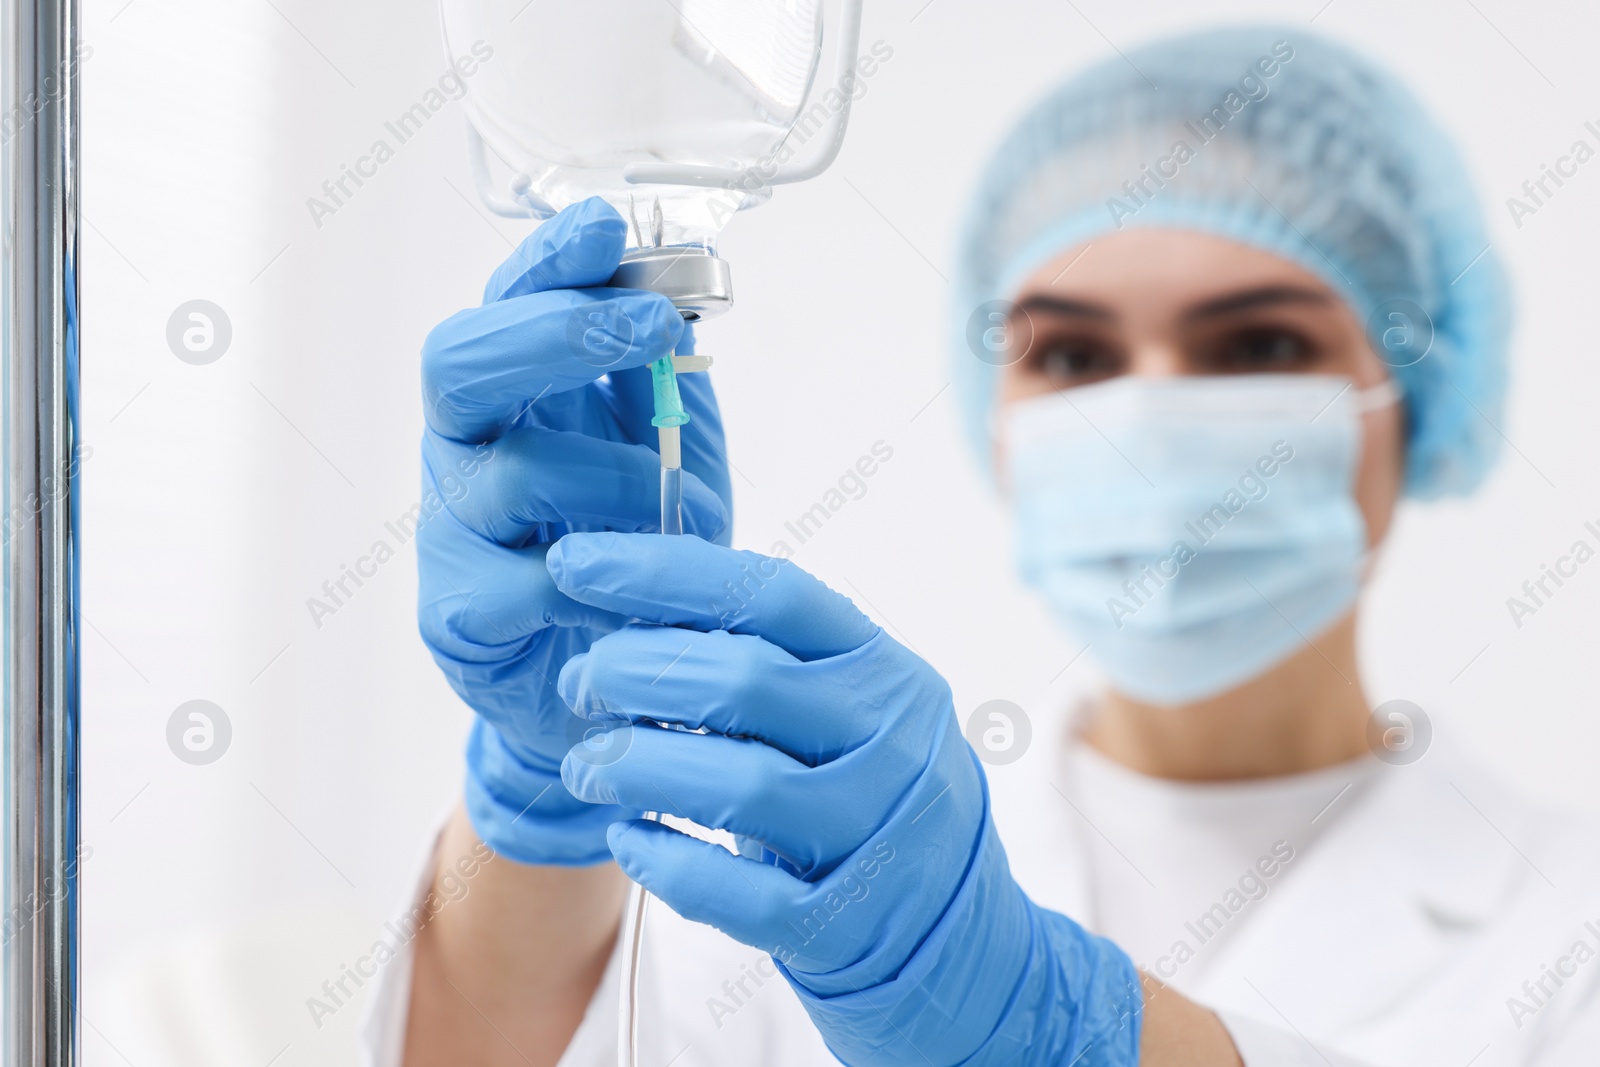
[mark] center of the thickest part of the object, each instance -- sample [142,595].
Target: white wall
[222,496]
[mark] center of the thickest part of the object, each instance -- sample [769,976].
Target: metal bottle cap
[698,283]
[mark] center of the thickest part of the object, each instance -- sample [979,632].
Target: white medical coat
[1438,918]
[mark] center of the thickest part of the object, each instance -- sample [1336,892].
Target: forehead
[1160,267]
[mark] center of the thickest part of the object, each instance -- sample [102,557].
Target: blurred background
[220,496]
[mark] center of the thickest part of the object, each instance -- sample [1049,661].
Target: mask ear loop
[1385,394]
[1377,397]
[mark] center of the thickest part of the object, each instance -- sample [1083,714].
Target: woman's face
[1160,303]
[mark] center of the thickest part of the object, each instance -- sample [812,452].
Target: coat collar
[1414,864]
[1404,867]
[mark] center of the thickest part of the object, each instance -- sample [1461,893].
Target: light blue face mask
[1192,531]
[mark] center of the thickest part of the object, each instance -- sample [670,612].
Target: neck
[1306,713]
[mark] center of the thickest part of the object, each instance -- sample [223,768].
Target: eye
[1263,350]
[1074,360]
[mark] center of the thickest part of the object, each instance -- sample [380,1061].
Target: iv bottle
[679,114]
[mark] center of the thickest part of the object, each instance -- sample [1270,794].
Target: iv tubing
[669,417]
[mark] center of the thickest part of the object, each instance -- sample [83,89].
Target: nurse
[1211,331]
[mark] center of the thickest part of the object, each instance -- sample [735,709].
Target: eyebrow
[1250,299]
[1055,305]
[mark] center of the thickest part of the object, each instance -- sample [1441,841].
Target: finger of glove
[723,783]
[478,601]
[706,883]
[579,248]
[482,366]
[532,478]
[731,684]
[576,408]
[684,581]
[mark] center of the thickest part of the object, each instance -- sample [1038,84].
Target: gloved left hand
[885,895]
[539,408]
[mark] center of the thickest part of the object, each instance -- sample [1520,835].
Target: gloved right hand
[538,407]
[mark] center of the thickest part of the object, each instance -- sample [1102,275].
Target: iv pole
[39,379]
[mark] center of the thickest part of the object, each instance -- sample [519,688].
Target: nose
[1158,356]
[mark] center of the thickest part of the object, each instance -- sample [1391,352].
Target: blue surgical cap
[1289,143]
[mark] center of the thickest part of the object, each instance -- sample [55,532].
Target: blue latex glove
[889,903]
[538,406]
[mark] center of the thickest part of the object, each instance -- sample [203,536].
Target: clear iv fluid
[672,500]
[606,83]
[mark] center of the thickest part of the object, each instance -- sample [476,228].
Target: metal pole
[39,379]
